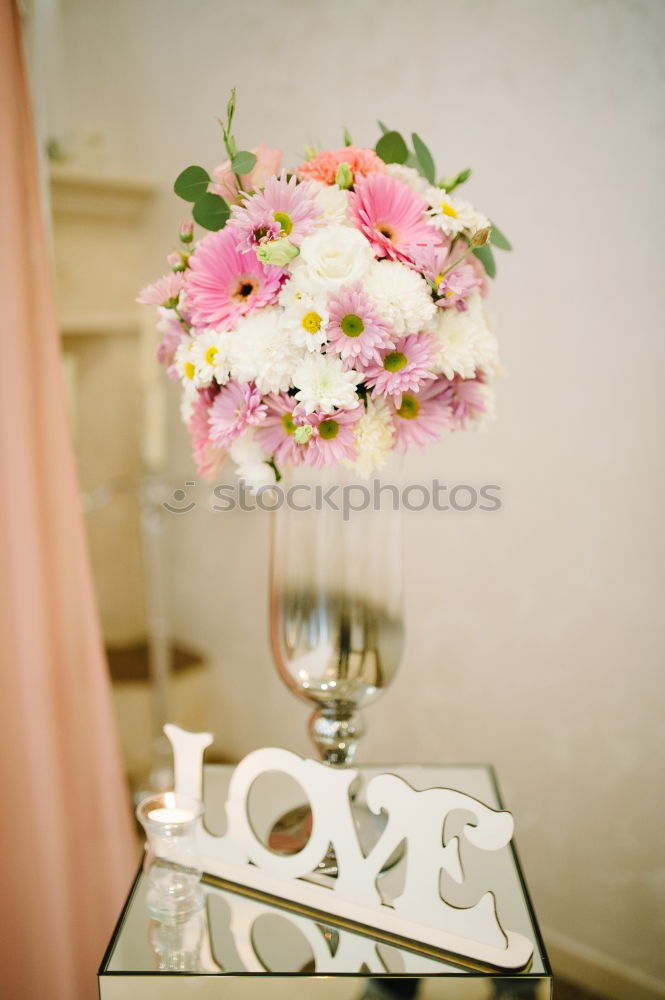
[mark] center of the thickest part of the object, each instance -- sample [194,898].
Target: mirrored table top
[237,946]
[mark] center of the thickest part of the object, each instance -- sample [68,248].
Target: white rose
[335,256]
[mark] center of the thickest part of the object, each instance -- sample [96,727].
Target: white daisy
[210,354]
[251,462]
[410,177]
[373,434]
[401,296]
[262,351]
[332,202]
[305,315]
[323,384]
[185,365]
[465,341]
[453,216]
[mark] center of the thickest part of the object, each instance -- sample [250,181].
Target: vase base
[292,831]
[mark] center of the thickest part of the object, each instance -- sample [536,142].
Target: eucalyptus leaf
[486,258]
[424,157]
[243,162]
[211,212]
[392,148]
[499,240]
[191,183]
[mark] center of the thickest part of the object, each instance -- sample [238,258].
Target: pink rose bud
[186,232]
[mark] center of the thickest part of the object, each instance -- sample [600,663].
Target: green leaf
[191,183]
[211,212]
[499,240]
[486,258]
[450,183]
[243,162]
[348,141]
[425,161]
[392,148]
[411,161]
[384,128]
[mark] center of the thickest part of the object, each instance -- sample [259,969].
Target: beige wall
[535,634]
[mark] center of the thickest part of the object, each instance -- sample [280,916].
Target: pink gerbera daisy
[277,432]
[453,288]
[402,369]
[465,399]
[224,284]
[324,166]
[237,406]
[421,416]
[332,438]
[356,331]
[392,217]
[163,292]
[209,457]
[283,208]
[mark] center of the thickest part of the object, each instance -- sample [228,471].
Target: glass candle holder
[171,864]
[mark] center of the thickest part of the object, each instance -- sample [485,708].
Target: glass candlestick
[171,863]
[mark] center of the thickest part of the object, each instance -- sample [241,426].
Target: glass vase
[336,591]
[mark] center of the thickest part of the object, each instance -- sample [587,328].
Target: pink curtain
[66,843]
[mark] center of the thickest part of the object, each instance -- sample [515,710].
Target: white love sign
[419,915]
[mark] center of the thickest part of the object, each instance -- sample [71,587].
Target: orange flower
[323,167]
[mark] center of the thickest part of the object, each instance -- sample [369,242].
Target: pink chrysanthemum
[403,369]
[323,167]
[237,406]
[356,330]
[209,457]
[465,400]
[421,416]
[172,332]
[453,288]
[332,439]
[276,432]
[224,284]
[392,217]
[163,292]
[283,208]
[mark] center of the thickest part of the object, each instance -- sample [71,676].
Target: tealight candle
[172,863]
[168,816]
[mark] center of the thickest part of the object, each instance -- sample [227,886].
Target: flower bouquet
[332,313]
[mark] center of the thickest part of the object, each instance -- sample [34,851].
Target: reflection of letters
[432,824]
[292,943]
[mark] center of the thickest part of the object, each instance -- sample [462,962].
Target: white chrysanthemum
[484,418]
[465,341]
[335,256]
[185,365]
[332,202]
[401,296]
[262,351]
[251,462]
[453,216]
[324,385]
[187,400]
[305,315]
[373,435]
[211,355]
[410,177]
